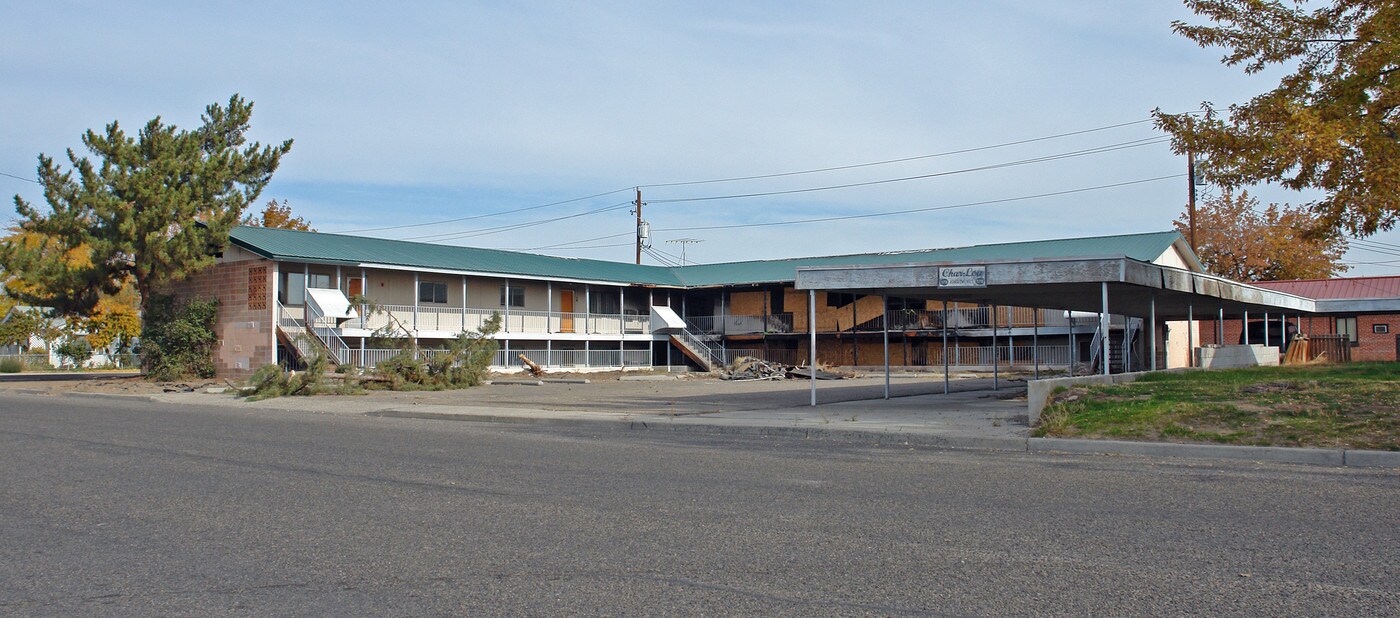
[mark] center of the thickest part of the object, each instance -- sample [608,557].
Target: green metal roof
[295,246]
[289,245]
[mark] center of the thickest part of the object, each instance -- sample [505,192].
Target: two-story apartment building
[364,299]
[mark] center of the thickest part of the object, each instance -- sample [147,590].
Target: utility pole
[1191,204]
[639,224]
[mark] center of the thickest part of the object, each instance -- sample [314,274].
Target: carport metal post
[996,367]
[1073,342]
[812,332]
[885,326]
[1190,335]
[1152,325]
[1266,328]
[1244,326]
[1103,327]
[1035,341]
[945,347]
[1220,326]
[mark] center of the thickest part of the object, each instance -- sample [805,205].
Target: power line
[21,178]
[1056,157]
[900,160]
[657,256]
[914,210]
[621,244]
[490,214]
[756,177]
[514,226]
[574,242]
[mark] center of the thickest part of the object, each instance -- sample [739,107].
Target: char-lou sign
[962,277]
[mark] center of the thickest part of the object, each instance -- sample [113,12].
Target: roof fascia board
[1363,305]
[476,273]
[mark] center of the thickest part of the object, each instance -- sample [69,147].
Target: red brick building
[1364,309]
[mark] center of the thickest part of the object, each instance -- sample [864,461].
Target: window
[1347,326]
[294,293]
[1380,329]
[320,282]
[517,296]
[432,292]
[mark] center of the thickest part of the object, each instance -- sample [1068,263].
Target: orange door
[357,286]
[566,307]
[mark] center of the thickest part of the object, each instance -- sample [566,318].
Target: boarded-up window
[257,288]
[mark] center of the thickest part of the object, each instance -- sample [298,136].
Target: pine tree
[148,209]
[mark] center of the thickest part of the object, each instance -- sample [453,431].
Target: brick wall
[1370,345]
[245,329]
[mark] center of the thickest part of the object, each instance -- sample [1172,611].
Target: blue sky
[408,114]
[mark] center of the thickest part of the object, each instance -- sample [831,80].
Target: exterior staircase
[694,346]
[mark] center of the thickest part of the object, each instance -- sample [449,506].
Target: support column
[1035,342]
[1190,335]
[885,327]
[464,303]
[1073,342]
[1266,328]
[1103,326]
[506,302]
[364,292]
[1152,324]
[276,307]
[415,314]
[996,366]
[1220,327]
[945,347]
[1244,327]
[549,307]
[812,340]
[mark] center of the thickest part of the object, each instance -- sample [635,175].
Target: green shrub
[11,365]
[76,350]
[177,339]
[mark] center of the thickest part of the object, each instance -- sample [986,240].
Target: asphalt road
[125,508]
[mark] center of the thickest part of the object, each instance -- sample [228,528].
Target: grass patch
[1354,405]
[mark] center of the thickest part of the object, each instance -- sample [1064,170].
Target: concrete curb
[1272,454]
[1373,459]
[655,424]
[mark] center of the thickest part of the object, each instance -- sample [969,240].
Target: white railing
[1005,356]
[457,319]
[564,359]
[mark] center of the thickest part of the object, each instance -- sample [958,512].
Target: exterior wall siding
[247,339]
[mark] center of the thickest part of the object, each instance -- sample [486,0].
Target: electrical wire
[914,210]
[21,178]
[757,177]
[574,242]
[900,160]
[657,256]
[514,226]
[489,214]
[1056,157]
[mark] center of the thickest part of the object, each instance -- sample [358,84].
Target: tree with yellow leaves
[1237,240]
[1333,122]
[279,216]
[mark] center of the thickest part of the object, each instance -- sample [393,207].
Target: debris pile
[750,368]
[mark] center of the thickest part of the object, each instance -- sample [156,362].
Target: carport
[1110,285]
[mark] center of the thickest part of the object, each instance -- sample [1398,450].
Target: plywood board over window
[257,288]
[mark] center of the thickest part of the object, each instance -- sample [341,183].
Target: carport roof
[1134,287]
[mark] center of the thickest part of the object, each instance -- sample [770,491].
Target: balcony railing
[457,319]
[772,323]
